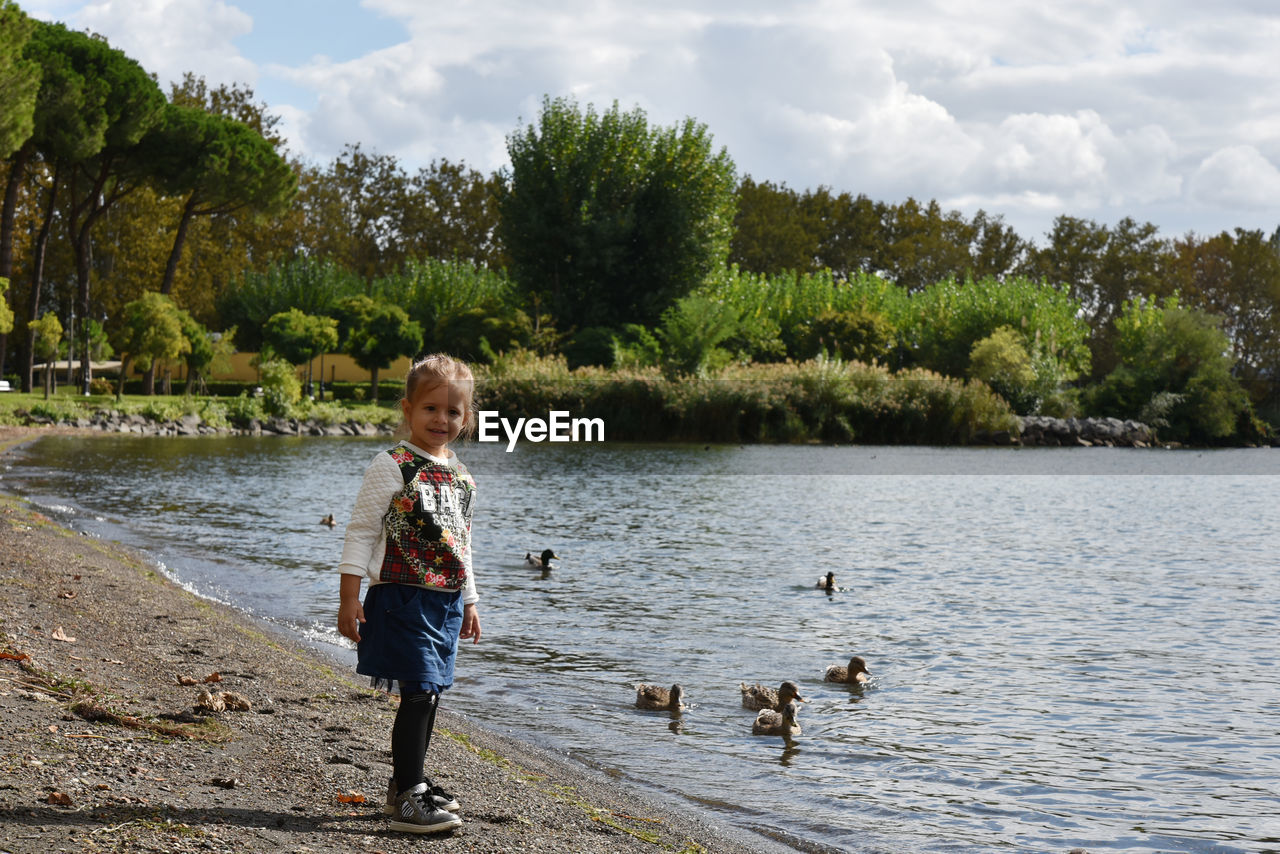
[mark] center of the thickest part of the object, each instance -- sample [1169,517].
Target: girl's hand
[350,616]
[470,623]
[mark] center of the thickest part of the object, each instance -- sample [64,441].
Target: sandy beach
[104,748]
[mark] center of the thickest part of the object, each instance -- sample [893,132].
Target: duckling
[782,723]
[656,697]
[855,674]
[328,520]
[544,564]
[757,697]
[828,583]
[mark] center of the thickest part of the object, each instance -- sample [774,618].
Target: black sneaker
[415,813]
[442,799]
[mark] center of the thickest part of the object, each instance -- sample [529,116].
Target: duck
[758,697]
[328,520]
[656,697]
[855,674]
[545,563]
[828,583]
[783,723]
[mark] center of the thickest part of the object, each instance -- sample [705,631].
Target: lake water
[1069,647]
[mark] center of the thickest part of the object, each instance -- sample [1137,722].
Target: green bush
[590,346]
[162,409]
[243,408]
[281,388]
[1174,372]
[856,334]
[692,331]
[823,399]
[1001,361]
[635,347]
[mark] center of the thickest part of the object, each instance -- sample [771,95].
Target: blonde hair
[438,369]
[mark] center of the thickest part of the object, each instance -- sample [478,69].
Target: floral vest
[428,524]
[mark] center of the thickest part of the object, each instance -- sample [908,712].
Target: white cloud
[1235,177]
[171,37]
[1079,157]
[1088,108]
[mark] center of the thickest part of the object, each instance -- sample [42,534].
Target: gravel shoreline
[104,749]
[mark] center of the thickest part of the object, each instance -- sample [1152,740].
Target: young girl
[410,533]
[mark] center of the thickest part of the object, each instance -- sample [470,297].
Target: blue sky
[1164,110]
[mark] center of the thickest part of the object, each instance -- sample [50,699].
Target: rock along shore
[114,421]
[104,748]
[1034,430]
[1043,431]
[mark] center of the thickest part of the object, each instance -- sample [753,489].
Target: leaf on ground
[14,656]
[352,797]
[225,782]
[59,798]
[236,702]
[59,634]
[215,676]
[187,680]
[67,594]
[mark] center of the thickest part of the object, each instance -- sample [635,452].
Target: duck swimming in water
[855,674]
[782,723]
[328,520]
[656,697]
[828,583]
[758,697]
[545,563]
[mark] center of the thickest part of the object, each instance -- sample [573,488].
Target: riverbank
[104,749]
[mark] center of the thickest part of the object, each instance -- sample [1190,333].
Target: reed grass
[821,400]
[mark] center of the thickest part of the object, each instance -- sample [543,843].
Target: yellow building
[334,367]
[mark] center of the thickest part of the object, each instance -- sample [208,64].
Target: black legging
[410,736]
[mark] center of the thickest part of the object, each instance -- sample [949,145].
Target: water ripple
[1069,649]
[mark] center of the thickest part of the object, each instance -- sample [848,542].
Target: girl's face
[435,417]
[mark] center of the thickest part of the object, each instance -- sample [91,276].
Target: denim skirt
[410,636]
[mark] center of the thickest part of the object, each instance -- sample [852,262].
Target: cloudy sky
[1163,110]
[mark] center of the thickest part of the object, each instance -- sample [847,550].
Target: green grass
[67,405]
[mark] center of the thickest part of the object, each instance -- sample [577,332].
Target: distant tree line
[607,241]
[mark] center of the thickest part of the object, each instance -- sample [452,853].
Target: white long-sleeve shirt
[365,545]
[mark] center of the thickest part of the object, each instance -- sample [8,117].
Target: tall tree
[606,220]
[70,124]
[19,80]
[132,103]
[851,232]
[94,104]
[450,212]
[1103,268]
[925,245]
[1237,276]
[351,212]
[20,83]
[774,230]
[217,164]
